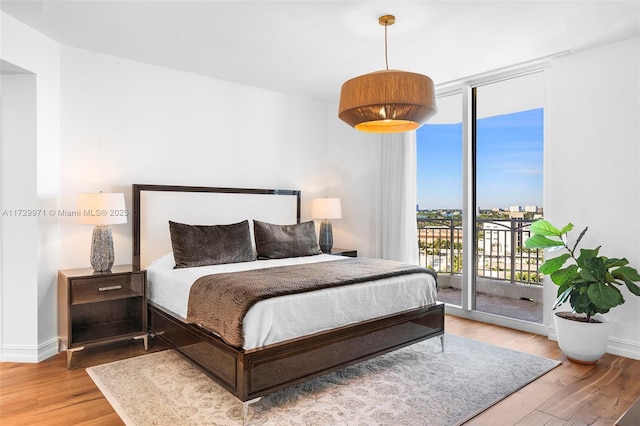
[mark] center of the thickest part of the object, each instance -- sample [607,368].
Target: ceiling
[309,48]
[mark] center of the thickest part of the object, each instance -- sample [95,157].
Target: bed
[268,361]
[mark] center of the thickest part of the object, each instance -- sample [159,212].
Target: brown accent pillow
[280,241]
[200,245]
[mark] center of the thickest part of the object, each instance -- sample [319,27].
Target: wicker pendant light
[387,101]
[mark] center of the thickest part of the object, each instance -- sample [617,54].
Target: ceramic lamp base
[102,249]
[326,236]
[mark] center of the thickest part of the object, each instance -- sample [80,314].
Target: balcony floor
[525,310]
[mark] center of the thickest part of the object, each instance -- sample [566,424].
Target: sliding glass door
[480,162]
[508,128]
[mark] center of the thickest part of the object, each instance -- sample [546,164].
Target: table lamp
[325,209]
[101,209]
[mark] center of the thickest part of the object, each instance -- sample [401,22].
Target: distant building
[515,209]
[531,209]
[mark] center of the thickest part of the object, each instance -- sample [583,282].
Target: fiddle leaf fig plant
[589,281]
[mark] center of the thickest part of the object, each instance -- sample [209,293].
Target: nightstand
[344,252]
[96,308]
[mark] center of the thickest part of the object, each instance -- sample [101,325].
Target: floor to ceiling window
[498,126]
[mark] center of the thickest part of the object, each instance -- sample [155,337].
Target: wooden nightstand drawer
[96,308]
[89,290]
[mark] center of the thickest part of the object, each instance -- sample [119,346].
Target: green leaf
[552,265]
[566,286]
[562,276]
[539,241]
[586,254]
[580,302]
[594,269]
[613,262]
[629,275]
[567,228]
[587,276]
[544,227]
[633,288]
[604,296]
[562,296]
[627,272]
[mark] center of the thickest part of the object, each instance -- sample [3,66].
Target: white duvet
[286,317]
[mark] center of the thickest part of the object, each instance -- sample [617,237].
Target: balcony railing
[500,252]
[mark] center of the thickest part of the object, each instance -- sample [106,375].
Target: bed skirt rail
[248,374]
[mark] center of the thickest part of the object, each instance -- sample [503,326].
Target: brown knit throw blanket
[219,302]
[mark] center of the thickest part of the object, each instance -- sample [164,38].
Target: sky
[509,158]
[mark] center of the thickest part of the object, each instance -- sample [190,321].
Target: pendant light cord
[386,58]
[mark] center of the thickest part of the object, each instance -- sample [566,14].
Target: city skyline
[509,157]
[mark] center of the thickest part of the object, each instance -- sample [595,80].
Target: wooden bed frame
[249,374]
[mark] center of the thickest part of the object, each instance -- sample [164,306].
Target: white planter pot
[582,342]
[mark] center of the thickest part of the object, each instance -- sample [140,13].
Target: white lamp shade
[326,208]
[102,208]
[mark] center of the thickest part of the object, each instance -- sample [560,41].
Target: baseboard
[502,321]
[32,354]
[48,349]
[624,348]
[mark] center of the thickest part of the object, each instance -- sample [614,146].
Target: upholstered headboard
[155,205]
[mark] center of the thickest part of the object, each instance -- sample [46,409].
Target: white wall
[126,122]
[19,237]
[31,179]
[591,163]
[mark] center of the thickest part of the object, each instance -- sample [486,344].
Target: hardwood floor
[48,394]
[570,394]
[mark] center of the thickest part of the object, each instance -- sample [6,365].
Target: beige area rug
[417,385]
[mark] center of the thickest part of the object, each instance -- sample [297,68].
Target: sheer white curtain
[398,225]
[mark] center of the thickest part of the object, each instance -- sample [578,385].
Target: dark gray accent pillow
[280,241]
[200,245]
